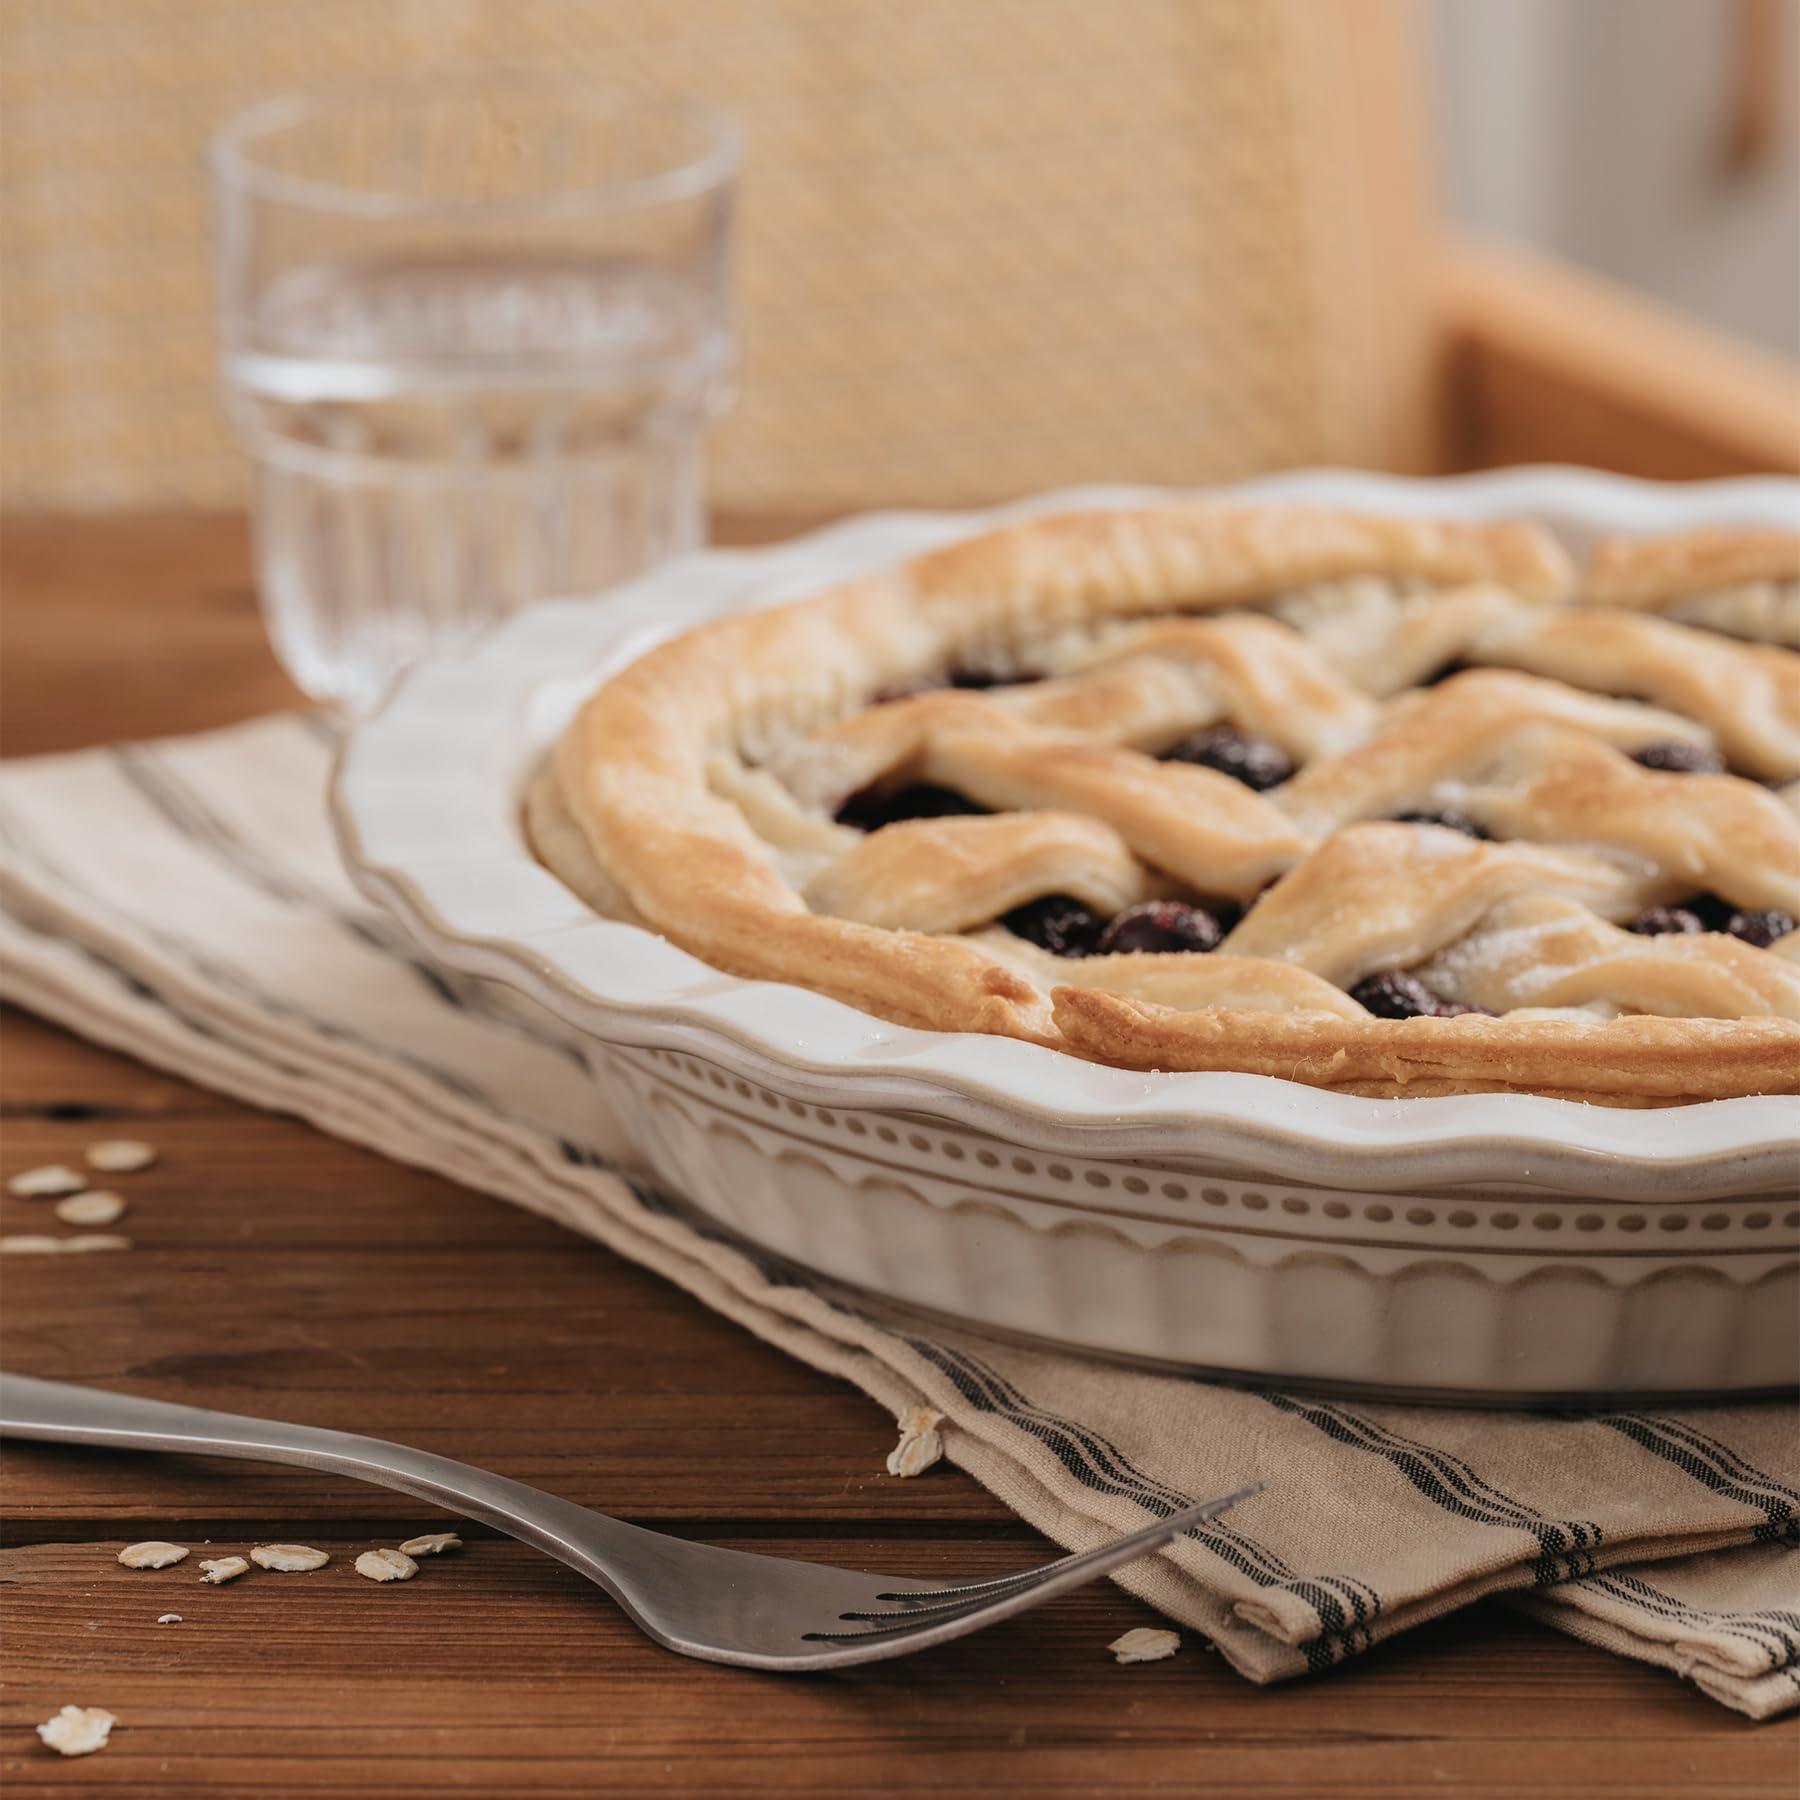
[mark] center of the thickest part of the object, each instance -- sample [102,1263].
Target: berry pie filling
[1762,926]
[1355,802]
[1254,761]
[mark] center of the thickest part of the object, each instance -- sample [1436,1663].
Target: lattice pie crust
[1385,806]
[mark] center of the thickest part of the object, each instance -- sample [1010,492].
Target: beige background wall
[1594,129]
[989,244]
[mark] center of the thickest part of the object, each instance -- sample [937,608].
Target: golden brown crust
[1646,571]
[1618,1061]
[695,792]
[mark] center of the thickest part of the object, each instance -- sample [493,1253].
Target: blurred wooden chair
[989,246]
[1540,362]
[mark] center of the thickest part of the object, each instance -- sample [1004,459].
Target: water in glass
[438,443]
[472,340]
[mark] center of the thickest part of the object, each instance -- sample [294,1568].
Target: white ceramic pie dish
[1482,1245]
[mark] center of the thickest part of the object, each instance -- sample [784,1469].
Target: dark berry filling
[1254,761]
[872,808]
[1065,926]
[1160,925]
[1678,758]
[1761,926]
[1660,921]
[1394,994]
[1713,913]
[1058,923]
[1451,821]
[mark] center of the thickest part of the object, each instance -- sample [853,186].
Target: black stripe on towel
[1763,1631]
[1346,1607]
[140,990]
[229,980]
[1718,1467]
[1565,1546]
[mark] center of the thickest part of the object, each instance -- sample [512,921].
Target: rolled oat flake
[47,1183]
[120,1156]
[39,1243]
[98,1206]
[1145,1644]
[386,1565]
[78,1730]
[152,1554]
[289,1559]
[433,1543]
[920,1446]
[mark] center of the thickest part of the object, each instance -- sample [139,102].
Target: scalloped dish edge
[452,740]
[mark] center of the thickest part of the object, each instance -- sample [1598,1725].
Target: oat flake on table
[289,1559]
[46,1183]
[919,1446]
[386,1565]
[171,1618]
[120,1156]
[1146,1643]
[153,1553]
[38,1244]
[218,1569]
[98,1206]
[433,1543]
[77,1730]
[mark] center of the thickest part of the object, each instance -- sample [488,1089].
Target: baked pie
[1386,806]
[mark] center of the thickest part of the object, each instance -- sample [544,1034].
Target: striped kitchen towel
[183,901]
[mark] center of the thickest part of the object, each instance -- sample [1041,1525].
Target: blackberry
[1160,925]
[1659,921]
[1058,923]
[1761,927]
[871,809]
[1254,761]
[1713,913]
[1394,994]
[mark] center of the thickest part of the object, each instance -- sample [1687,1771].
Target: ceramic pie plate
[1495,1247]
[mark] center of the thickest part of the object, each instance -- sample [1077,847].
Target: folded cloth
[184,901]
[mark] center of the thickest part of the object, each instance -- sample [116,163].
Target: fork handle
[60,1412]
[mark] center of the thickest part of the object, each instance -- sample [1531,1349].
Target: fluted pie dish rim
[427,801]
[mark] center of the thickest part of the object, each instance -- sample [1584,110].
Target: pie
[1387,806]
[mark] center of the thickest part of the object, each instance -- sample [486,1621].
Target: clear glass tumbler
[472,338]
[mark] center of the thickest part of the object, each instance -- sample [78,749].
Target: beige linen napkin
[183,901]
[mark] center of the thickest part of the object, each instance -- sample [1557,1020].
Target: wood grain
[280,1271]
[364,1690]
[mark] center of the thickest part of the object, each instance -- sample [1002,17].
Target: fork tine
[923,1601]
[1014,1594]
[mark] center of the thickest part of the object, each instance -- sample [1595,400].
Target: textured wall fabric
[988,245]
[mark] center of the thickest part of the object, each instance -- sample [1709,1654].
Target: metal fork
[728,1606]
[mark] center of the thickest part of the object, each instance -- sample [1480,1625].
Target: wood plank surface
[276,1270]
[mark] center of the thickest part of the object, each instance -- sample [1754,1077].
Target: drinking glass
[472,338]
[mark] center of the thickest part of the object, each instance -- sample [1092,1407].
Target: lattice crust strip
[1738,581]
[1514,846]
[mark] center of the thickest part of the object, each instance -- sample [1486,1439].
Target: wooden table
[278,1271]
